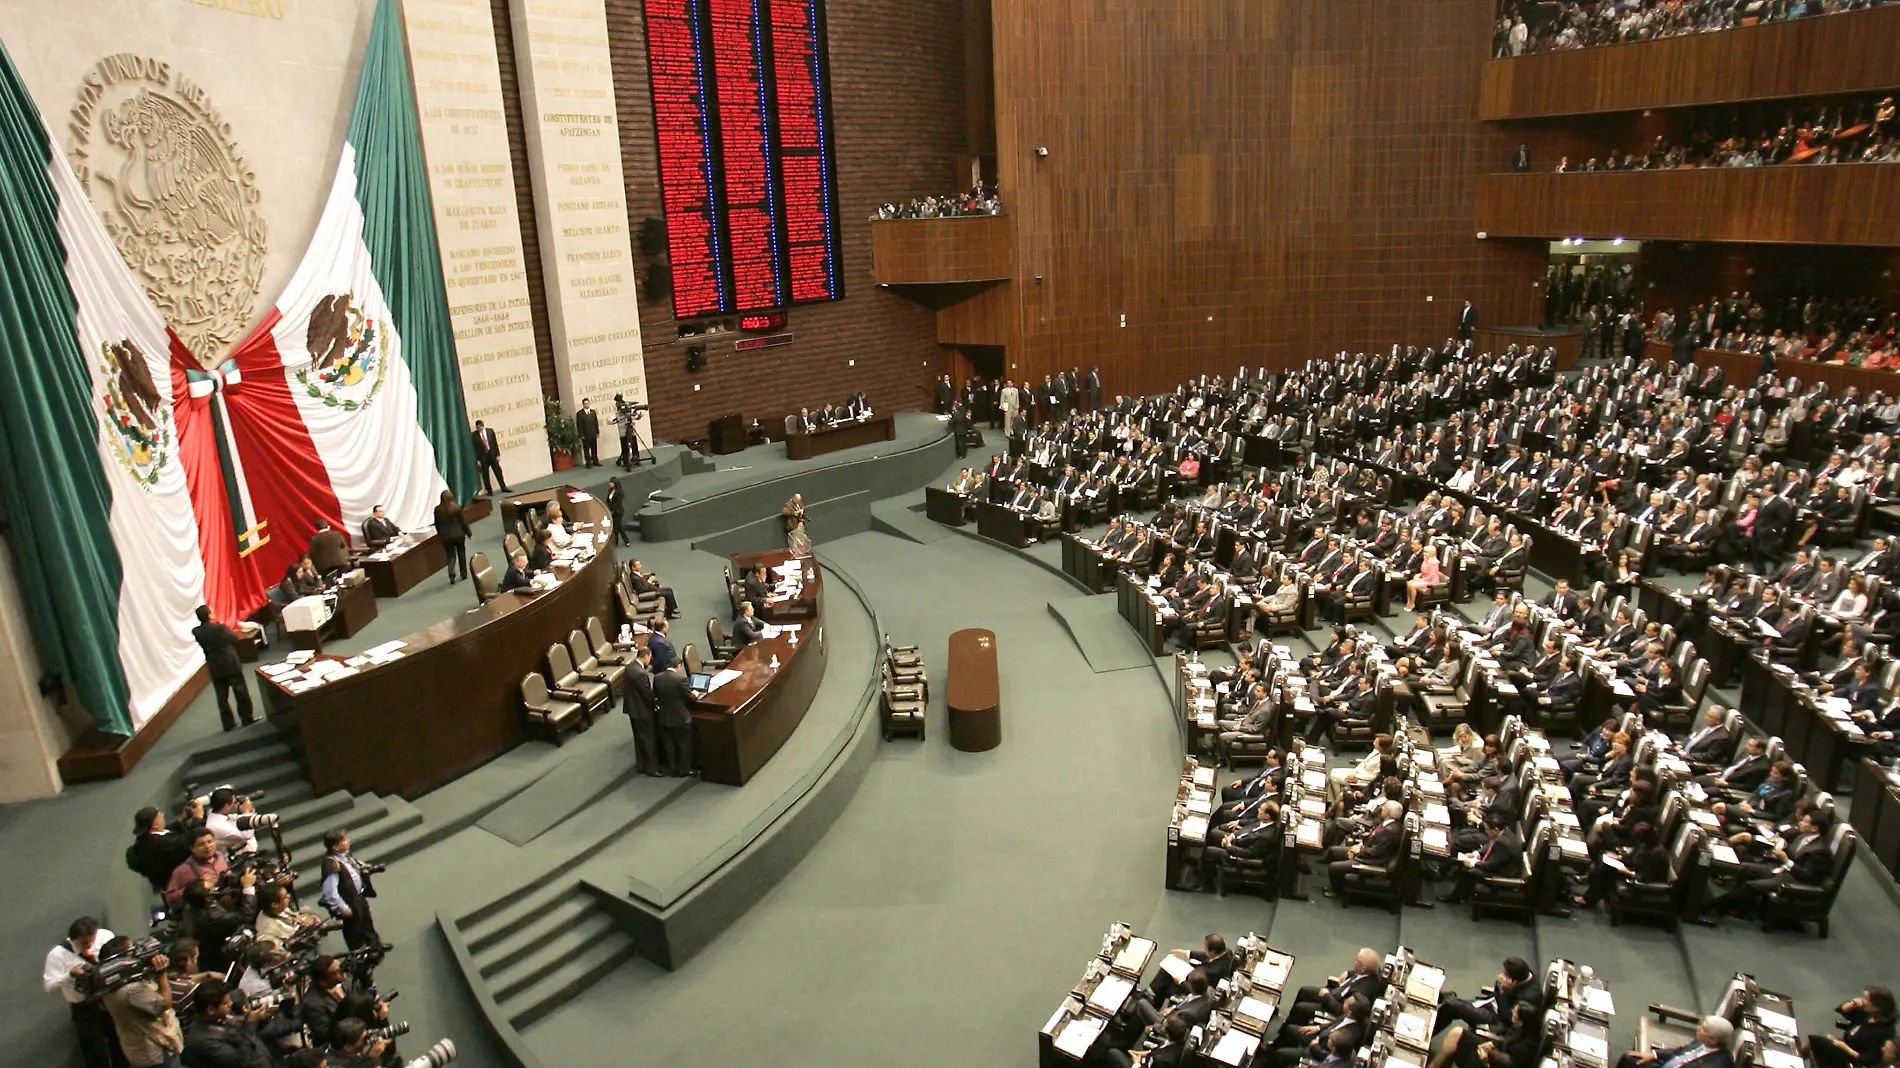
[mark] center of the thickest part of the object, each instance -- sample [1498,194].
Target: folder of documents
[1236,1047]
[1176,967]
[1109,994]
[1079,1035]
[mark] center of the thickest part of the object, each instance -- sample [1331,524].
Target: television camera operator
[66,971]
[140,1004]
[626,418]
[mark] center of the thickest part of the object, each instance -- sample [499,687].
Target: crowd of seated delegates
[1856,331]
[1590,23]
[850,410]
[1637,461]
[979,200]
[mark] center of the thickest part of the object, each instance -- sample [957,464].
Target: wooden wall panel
[1244,181]
[914,251]
[1846,204]
[983,319]
[1835,54]
[897,95]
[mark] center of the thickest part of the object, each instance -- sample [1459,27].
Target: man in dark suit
[587,428]
[1467,321]
[1379,848]
[488,459]
[641,707]
[1709,1050]
[756,588]
[1771,525]
[646,582]
[946,394]
[747,628]
[1500,856]
[1318,1041]
[1710,744]
[1745,772]
[1366,978]
[1167,1055]
[1093,383]
[675,721]
[662,647]
[518,576]
[1516,984]
[960,430]
[379,530]
[220,643]
[329,553]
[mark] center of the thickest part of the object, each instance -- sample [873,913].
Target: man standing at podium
[587,428]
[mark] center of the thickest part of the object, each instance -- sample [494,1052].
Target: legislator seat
[717,643]
[1799,903]
[592,690]
[587,665]
[609,652]
[902,707]
[487,586]
[551,715]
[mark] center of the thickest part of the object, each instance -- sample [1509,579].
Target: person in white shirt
[221,820]
[65,963]
[1520,36]
[1363,772]
[557,531]
[1851,603]
[262,954]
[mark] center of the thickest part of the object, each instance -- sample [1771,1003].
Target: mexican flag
[99,515]
[347,395]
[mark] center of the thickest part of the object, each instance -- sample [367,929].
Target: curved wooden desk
[453,702]
[738,727]
[972,692]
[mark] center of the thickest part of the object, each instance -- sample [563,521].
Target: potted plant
[562,440]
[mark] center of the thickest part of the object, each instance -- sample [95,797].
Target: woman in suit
[1429,575]
[1646,861]
[1867,1026]
[452,527]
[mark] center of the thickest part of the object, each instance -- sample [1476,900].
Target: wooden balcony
[938,251]
[1841,204]
[1846,53]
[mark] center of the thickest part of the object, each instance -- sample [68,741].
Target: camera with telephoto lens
[202,794]
[371,869]
[255,821]
[306,937]
[390,1031]
[434,1057]
[274,1002]
[131,966]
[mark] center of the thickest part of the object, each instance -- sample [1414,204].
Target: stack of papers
[1079,1035]
[1272,971]
[1109,994]
[722,678]
[1236,1047]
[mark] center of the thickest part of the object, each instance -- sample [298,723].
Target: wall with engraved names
[471,180]
[565,74]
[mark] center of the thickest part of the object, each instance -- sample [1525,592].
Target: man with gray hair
[1379,848]
[1709,1050]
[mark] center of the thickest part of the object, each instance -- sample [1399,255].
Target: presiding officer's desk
[739,726]
[397,569]
[452,701]
[805,444]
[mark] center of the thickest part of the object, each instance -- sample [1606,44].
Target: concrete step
[500,954]
[549,955]
[306,837]
[580,966]
[310,811]
[242,767]
[493,923]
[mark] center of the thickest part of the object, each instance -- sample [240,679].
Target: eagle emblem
[138,420]
[346,354]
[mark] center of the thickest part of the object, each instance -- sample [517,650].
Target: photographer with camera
[352,1047]
[279,923]
[141,1010]
[334,996]
[222,820]
[183,975]
[156,851]
[205,860]
[64,972]
[222,1038]
[347,890]
[263,961]
[207,918]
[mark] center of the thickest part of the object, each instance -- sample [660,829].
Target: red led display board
[804,123]
[741,111]
[682,123]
